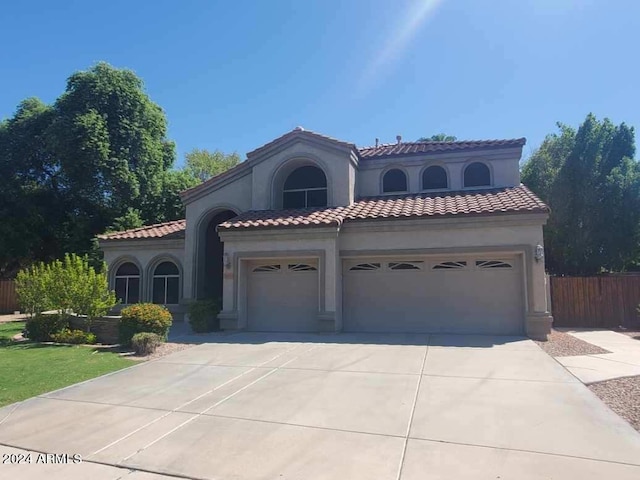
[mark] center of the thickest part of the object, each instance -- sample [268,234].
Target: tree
[65,285]
[96,158]
[175,181]
[592,184]
[439,137]
[204,165]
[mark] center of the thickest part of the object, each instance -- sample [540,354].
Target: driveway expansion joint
[413,409]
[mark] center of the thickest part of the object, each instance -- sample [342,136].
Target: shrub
[65,285]
[145,343]
[203,315]
[41,327]
[144,317]
[74,336]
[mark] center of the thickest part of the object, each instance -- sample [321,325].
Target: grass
[28,369]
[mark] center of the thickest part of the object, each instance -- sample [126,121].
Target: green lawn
[28,369]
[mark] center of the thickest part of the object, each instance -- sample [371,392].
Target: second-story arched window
[305,187]
[477,174]
[394,180]
[434,177]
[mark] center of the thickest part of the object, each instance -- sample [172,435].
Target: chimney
[377,142]
[399,138]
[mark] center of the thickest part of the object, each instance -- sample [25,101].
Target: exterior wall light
[539,253]
[226,261]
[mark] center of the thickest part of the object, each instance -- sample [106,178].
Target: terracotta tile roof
[416,148]
[167,230]
[442,204]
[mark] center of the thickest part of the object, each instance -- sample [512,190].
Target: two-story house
[312,234]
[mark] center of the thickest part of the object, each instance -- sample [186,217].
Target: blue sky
[233,75]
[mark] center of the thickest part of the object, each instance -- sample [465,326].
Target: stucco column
[231,276]
[188,266]
[539,319]
[329,317]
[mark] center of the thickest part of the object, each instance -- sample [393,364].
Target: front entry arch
[209,262]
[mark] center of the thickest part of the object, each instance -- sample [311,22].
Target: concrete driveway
[265,406]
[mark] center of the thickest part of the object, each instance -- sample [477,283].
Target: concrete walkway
[623,361]
[325,407]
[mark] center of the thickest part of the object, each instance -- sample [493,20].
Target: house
[315,234]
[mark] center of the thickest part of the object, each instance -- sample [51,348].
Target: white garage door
[282,296]
[458,294]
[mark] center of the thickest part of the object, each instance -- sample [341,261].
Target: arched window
[477,175]
[394,180]
[128,283]
[305,187]
[434,177]
[166,284]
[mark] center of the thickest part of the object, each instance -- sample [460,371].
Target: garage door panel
[457,296]
[283,296]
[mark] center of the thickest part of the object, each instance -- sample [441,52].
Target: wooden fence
[596,302]
[8,298]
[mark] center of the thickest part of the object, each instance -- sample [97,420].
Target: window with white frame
[127,283]
[166,284]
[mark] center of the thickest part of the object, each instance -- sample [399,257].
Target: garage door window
[365,267]
[267,268]
[405,265]
[301,267]
[492,264]
[450,265]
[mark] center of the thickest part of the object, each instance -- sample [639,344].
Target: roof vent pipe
[399,138]
[377,142]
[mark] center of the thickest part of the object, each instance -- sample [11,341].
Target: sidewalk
[623,361]
[12,318]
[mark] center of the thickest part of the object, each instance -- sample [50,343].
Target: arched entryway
[209,256]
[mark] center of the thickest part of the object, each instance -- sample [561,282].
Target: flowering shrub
[144,317]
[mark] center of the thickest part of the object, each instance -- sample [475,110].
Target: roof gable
[299,133]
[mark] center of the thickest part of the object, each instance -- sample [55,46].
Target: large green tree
[203,164]
[97,158]
[591,181]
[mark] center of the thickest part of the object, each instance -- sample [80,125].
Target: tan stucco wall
[334,162]
[234,196]
[513,235]
[503,163]
[146,254]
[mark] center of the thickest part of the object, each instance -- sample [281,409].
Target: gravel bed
[162,350]
[562,344]
[622,395]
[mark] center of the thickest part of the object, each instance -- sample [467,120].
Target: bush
[74,336]
[203,315]
[70,284]
[145,343]
[41,327]
[144,317]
